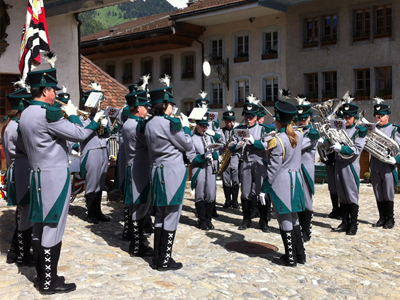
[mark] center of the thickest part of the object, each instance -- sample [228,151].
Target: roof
[113,90]
[140,25]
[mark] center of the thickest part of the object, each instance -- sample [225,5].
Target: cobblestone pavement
[365,266]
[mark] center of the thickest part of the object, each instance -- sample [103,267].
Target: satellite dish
[206,68]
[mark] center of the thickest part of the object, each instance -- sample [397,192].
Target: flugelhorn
[82,113]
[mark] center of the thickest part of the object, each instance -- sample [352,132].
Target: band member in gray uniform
[230,174]
[18,175]
[94,162]
[384,175]
[347,170]
[284,182]
[204,174]
[167,139]
[44,133]
[252,169]
[308,149]
[137,177]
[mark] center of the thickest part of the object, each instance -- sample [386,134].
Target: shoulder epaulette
[313,134]
[397,127]
[175,123]
[362,131]
[268,128]
[272,143]
[53,113]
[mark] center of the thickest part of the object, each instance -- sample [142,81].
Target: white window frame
[213,38]
[238,34]
[211,83]
[264,31]
[236,83]
[263,80]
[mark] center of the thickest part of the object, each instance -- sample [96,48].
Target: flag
[34,37]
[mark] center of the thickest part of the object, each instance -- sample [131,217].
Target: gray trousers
[167,217]
[287,221]
[24,223]
[252,176]
[382,180]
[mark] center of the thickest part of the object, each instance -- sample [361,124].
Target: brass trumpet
[82,113]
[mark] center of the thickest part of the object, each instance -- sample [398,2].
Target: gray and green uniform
[230,174]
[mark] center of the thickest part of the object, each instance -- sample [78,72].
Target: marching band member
[308,149]
[203,173]
[347,170]
[230,174]
[252,170]
[94,162]
[284,182]
[167,139]
[18,174]
[44,132]
[137,177]
[384,175]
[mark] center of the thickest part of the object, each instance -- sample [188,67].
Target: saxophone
[225,156]
[379,144]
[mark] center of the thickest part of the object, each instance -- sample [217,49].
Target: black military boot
[24,256]
[389,212]
[157,246]
[353,225]
[268,204]
[214,212]
[227,193]
[209,207]
[36,250]
[246,223]
[263,209]
[335,213]
[137,247]
[235,194]
[127,231]
[254,207]
[90,200]
[147,224]
[201,214]
[305,219]
[344,210]
[382,216]
[50,282]
[166,262]
[289,259]
[11,253]
[299,245]
[99,214]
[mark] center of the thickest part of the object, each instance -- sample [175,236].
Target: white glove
[208,153]
[320,141]
[337,147]
[97,116]
[392,161]
[210,132]
[70,109]
[250,139]
[73,152]
[240,144]
[184,120]
[104,122]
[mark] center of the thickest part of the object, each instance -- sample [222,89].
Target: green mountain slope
[99,19]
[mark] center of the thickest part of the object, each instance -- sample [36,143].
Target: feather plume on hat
[378,100]
[302,100]
[51,58]
[285,94]
[203,94]
[145,79]
[228,107]
[95,86]
[252,99]
[165,80]
[347,98]
[64,89]
[20,84]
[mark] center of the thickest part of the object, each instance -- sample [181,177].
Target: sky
[178,3]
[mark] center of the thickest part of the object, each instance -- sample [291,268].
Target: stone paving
[365,266]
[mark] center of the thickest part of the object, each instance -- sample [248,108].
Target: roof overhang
[281,5]
[61,7]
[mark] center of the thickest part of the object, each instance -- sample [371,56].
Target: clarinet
[210,161]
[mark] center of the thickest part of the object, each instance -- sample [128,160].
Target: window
[3,102]
[312,35]
[146,67]
[383,21]
[383,84]
[242,47]
[127,76]
[270,90]
[110,69]
[330,30]
[166,65]
[362,84]
[188,61]
[270,44]
[311,80]
[217,95]
[362,25]
[330,85]
[242,90]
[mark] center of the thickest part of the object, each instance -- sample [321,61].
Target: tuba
[377,143]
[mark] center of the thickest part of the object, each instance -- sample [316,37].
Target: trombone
[82,113]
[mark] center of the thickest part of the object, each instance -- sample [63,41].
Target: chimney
[190,2]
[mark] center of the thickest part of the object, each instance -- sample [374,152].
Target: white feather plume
[228,107]
[95,86]
[301,100]
[252,99]
[165,80]
[285,94]
[51,58]
[203,94]
[145,79]
[346,98]
[378,100]
[20,84]
[64,89]
[28,88]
